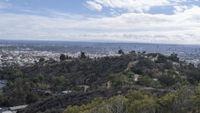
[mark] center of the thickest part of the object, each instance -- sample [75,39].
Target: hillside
[52,87]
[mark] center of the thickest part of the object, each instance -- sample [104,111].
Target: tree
[121,52]
[62,57]
[41,59]
[132,52]
[141,102]
[121,79]
[177,102]
[58,83]
[83,55]
[174,57]
[168,79]
[161,59]
[196,99]
[31,98]
[147,81]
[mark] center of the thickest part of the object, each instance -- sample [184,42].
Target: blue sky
[47,7]
[76,7]
[150,21]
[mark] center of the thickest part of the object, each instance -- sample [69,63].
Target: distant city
[28,52]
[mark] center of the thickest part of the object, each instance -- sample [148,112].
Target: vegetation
[183,100]
[155,82]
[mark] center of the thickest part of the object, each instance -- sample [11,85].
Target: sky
[145,21]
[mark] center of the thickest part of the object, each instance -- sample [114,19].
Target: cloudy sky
[149,21]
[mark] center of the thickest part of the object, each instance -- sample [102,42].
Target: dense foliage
[160,76]
[183,100]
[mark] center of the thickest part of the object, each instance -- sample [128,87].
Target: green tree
[83,56]
[196,99]
[174,57]
[121,52]
[41,59]
[140,102]
[62,57]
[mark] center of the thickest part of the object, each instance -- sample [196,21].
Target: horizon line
[98,41]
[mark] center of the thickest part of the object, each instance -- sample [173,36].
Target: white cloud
[94,6]
[181,27]
[141,6]
[130,5]
[179,9]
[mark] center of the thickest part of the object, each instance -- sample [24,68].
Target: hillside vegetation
[128,83]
